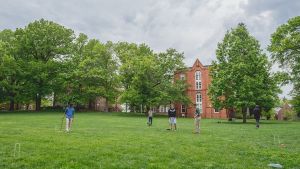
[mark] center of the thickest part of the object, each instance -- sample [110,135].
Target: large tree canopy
[285,49]
[147,77]
[11,74]
[44,45]
[241,74]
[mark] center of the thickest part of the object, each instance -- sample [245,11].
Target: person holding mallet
[69,112]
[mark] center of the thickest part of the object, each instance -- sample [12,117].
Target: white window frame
[183,108]
[182,76]
[167,108]
[199,101]
[198,98]
[162,109]
[198,75]
[198,85]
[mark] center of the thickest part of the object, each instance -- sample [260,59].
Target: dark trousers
[257,122]
[150,120]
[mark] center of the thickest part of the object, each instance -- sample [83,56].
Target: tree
[98,70]
[285,50]
[241,74]
[10,68]
[92,73]
[128,54]
[148,77]
[44,44]
[69,86]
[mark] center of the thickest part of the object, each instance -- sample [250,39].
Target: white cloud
[191,26]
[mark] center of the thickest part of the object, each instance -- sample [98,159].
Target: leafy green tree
[127,53]
[296,104]
[98,70]
[147,77]
[10,68]
[45,45]
[241,74]
[68,84]
[285,50]
[92,73]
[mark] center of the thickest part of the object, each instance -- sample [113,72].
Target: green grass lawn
[115,140]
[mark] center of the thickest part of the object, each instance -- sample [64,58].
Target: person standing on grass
[150,115]
[197,117]
[69,117]
[257,115]
[172,118]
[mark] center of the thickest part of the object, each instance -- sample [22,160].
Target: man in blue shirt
[69,116]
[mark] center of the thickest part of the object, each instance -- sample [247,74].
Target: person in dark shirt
[256,112]
[197,118]
[172,118]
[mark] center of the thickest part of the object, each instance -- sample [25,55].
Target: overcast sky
[190,26]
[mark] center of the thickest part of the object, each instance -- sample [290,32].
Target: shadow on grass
[120,114]
[251,122]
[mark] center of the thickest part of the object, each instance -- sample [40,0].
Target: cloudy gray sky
[191,26]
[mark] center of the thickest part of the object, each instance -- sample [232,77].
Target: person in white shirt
[150,115]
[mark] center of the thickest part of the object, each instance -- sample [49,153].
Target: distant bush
[51,108]
[269,114]
[289,115]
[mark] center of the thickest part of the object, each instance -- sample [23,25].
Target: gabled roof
[197,64]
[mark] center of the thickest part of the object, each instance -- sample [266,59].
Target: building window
[162,109]
[199,101]
[183,109]
[216,110]
[198,75]
[198,85]
[167,108]
[199,106]
[182,76]
[198,80]
[198,98]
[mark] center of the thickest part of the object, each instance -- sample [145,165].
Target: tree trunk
[77,106]
[54,100]
[38,101]
[90,104]
[142,109]
[228,114]
[106,105]
[17,106]
[12,104]
[244,115]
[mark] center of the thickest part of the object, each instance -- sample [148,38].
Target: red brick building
[198,79]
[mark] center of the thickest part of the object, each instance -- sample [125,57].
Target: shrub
[289,115]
